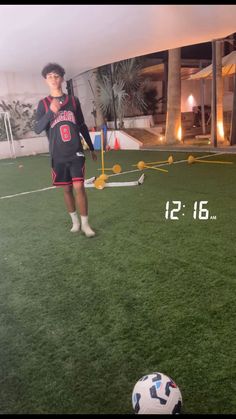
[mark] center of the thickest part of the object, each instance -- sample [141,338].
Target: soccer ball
[156,393]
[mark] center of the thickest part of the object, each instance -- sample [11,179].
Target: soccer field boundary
[88,181]
[27,192]
[115,174]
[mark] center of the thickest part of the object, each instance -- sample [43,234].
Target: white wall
[25,88]
[25,147]
[191,94]
[145,121]
[126,142]
[38,145]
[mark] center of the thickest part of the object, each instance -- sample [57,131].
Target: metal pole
[8,136]
[69,87]
[11,136]
[213,110]
[113,97]
[165,84]
[102,152]
[202,82]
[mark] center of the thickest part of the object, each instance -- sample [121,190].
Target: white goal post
[7,125]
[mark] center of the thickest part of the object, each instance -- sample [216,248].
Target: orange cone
[116,145]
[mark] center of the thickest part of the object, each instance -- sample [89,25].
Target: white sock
[75,221]
[85,227]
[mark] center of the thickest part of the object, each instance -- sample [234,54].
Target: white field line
[7,164]
[26,193]
[115,174]
[88,181]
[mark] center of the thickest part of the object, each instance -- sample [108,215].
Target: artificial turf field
[83,319]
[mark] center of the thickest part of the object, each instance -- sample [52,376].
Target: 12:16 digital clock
[198,211]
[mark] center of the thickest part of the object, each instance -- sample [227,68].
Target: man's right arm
[42,118]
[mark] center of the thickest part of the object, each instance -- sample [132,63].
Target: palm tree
[173,119]
[120,89]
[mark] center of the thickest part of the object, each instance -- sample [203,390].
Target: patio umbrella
[228,68]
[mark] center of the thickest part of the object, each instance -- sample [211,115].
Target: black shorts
[68,172]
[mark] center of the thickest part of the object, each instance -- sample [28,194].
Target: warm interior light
[161,138]
[220,128]
[191,100]
[179,133]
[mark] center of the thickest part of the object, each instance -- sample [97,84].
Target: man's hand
[55,106]
[94,156]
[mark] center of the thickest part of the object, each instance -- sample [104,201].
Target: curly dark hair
[53,68]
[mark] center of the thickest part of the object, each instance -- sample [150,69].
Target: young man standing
[61,117]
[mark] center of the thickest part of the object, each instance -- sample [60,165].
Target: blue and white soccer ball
[156,393]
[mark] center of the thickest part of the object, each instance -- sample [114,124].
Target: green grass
[81,320]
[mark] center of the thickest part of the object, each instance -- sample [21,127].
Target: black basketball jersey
[63,129]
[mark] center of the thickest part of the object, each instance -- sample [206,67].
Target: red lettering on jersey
[63,116]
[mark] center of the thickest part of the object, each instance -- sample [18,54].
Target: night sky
[197,51]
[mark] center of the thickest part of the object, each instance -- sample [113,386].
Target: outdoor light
[191,100]
[179,134]
[220,129]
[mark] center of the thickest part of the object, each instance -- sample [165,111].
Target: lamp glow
[179,133]
[191,100]
[220,128]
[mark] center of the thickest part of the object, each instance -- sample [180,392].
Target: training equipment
[142,165]
[192,159]
[116,145]
[170,160]
[156,393]
[90,180]
[116,168]
[103,176]
[100,184]
[97,142]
